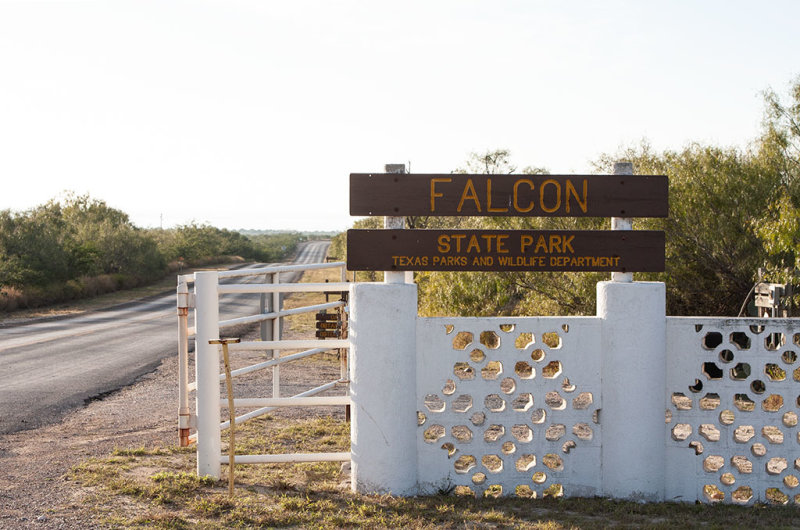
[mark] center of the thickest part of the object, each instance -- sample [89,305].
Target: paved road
[50,367]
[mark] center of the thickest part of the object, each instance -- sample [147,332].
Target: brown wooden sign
[509,195]
[505,250]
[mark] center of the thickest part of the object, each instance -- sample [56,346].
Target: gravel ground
[35,489]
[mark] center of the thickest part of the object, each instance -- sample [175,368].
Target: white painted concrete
[208,369]
[633,386]
[382,388]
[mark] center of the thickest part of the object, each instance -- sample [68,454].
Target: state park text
[505,250]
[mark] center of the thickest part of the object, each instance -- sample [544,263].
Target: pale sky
[252,114]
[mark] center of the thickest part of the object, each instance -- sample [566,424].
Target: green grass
[157,488]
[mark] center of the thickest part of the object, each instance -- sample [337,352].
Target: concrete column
[633,388]
[383,388]
[207,368]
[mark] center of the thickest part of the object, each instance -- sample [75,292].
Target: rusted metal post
[231,410]
[184,414]
[622,223]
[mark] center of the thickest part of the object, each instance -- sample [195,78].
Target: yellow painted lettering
[581,204]
[524,242]
[433,191]
[473,243]
[517,206]
[444,243]
[469,193]
[489,199]
[541,243]
[542,189]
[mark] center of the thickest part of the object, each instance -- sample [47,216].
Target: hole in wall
[710,401]
[565,328]
[464,463]
[758,386]
[727,417]
[494,491]
[493,463]
[713,494]
[790,419]
[523,340]
[421,418]
[522,402]
[789,357]
[697,386]
[776,465]
[742,464]
[554,490]
[742,494]
[744,403]
[494,403]
[449,387]
[463,491]
[508,385]
[552,370]
[796,374]
[524,370]
[554,400]
[726,356]
[479,478]
[537,355]
[712,371]
[492,370]
[698,328]
[553,462]
[539,477]
[462,403]
[772,403]
[523,491]
[493,433]
[776,496]
[434,403]
[667,416]
[774,341]
[791,481]
[555,432]
[740,372]
[566,386]
[775,372]
[713,463]
[697,446]
[568,446]
[525,462]
[709,431]
[463,371]
[507,328]
[743,433]
[462,340]
[583,431]
[582,401]
[477,356]
[538,416]
[772,434]
[448,328]
[508,448]
[758,449]
[433,434]
[490,339]
[522,433]
[461,433]
[727,479]
[552,340]
[740,340]
[450,448]
[711,340]
[478,418]
[681,431]
[681,401]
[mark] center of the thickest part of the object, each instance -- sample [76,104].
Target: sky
[252,114]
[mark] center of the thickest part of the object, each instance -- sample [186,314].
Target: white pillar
[633,388]
[206,317]
[383,388]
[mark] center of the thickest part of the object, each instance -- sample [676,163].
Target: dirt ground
[35,488]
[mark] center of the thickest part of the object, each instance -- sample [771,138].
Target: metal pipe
[189,278]
[277,305]
[328,344]
[293,457]
[622,223]
[275,314]
[325,401]
[239,288]
[184,414]
[260,412]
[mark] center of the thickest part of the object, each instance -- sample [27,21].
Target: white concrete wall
[633,368]
[382,387]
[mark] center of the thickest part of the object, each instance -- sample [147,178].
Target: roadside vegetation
[732,211]
[78,247]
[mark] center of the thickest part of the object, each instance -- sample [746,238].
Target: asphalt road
[50,367]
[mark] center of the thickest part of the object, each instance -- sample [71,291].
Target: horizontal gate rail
[240,288]
[328,344]
[282,313]
[289,402]
[288,458]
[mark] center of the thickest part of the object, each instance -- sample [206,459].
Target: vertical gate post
[383,388]
[633,388]
[207,368]
[395,223]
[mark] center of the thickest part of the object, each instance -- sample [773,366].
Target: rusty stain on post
[231,409]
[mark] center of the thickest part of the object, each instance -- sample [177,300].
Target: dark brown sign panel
[509,195]
[505,250]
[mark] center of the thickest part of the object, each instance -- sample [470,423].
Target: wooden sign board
[327,316]
[505,250]
[509,195]
[328,325]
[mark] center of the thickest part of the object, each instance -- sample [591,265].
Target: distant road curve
[50,367]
